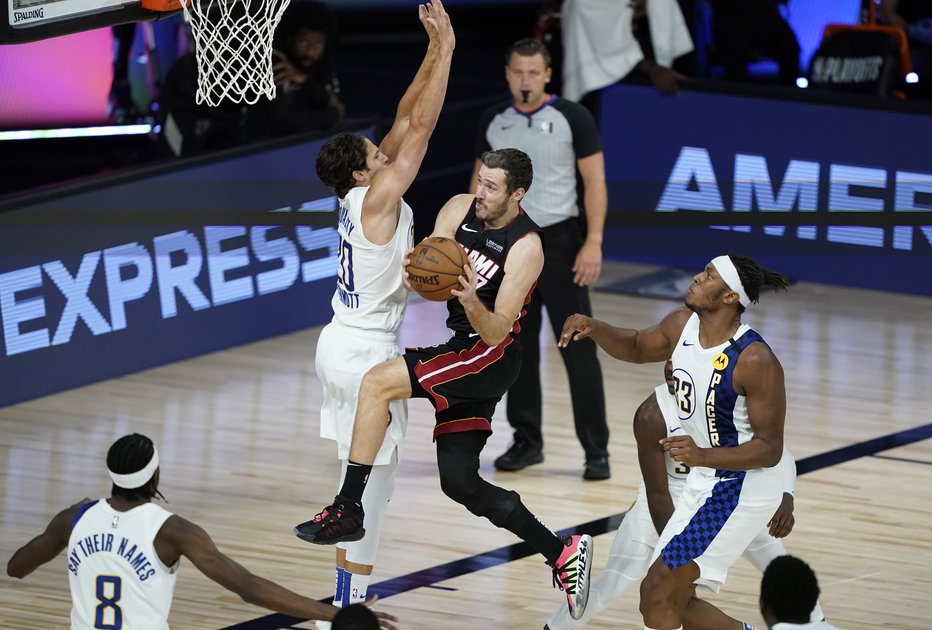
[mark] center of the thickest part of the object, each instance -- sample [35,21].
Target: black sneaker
[597,469]
[520,455]
[340,522]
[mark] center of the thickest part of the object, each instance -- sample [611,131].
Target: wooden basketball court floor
[241,456]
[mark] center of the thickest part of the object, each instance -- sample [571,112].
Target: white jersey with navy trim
[719,511]
[117,579]
[710,410]
[370,294]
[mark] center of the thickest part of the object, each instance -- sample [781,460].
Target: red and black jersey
[488,248]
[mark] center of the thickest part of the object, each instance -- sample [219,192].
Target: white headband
[140,477]
[729,273]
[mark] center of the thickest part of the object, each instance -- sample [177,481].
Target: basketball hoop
[233,45]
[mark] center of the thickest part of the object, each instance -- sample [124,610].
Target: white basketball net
[233,43]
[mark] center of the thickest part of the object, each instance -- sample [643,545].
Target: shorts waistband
[369,335]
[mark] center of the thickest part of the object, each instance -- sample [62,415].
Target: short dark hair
[754,277]
[130,454]
[528,47]
[338,158]
[789,589]
[309,14]
[355,617]
[517,166]
[316,17]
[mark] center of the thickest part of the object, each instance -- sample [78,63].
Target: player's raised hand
[575,327]
[436,16]
[427,21]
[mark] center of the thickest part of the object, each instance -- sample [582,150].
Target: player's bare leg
[382,384]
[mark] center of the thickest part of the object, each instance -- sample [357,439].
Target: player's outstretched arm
[392,140]
[391,183]
[46,546]
[182,537]
[655,343]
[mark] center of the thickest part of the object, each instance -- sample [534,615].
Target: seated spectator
[748,30]
[306,87]
[606,41]
[914,17]
[788,593]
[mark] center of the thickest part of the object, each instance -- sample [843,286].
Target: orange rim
[161,5]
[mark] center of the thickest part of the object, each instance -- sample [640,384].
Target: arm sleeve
[586,140]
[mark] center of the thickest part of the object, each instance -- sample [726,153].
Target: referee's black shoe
[597,469]
[519,456]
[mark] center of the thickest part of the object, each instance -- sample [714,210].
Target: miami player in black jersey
[465,377]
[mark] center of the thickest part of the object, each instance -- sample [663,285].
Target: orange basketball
[435,267]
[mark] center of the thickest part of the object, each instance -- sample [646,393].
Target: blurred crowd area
[336,64]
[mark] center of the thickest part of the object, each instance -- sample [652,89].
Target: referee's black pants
[562,297]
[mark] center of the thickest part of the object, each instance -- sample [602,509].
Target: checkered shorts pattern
[706,523]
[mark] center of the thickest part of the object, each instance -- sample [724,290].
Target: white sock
[357,588]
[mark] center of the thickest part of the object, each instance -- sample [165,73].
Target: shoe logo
[583,561]
[466,229]
[687,344]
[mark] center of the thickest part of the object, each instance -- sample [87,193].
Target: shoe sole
[347,538]
[582,593]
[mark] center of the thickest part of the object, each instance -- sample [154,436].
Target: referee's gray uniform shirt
[554,137]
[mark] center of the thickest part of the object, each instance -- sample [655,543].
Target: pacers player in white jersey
[376,227]
[123,553]
[731,402]
[637,537]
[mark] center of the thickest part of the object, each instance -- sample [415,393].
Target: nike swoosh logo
[728,479]
[504,127]
[466,229]
[688,344]
[676,429]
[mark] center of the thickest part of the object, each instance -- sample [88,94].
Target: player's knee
[383,382]
[655,592]
[458,484]
[505,510]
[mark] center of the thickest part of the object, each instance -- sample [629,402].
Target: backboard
[32,20]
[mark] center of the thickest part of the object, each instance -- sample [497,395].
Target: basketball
[435,266]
